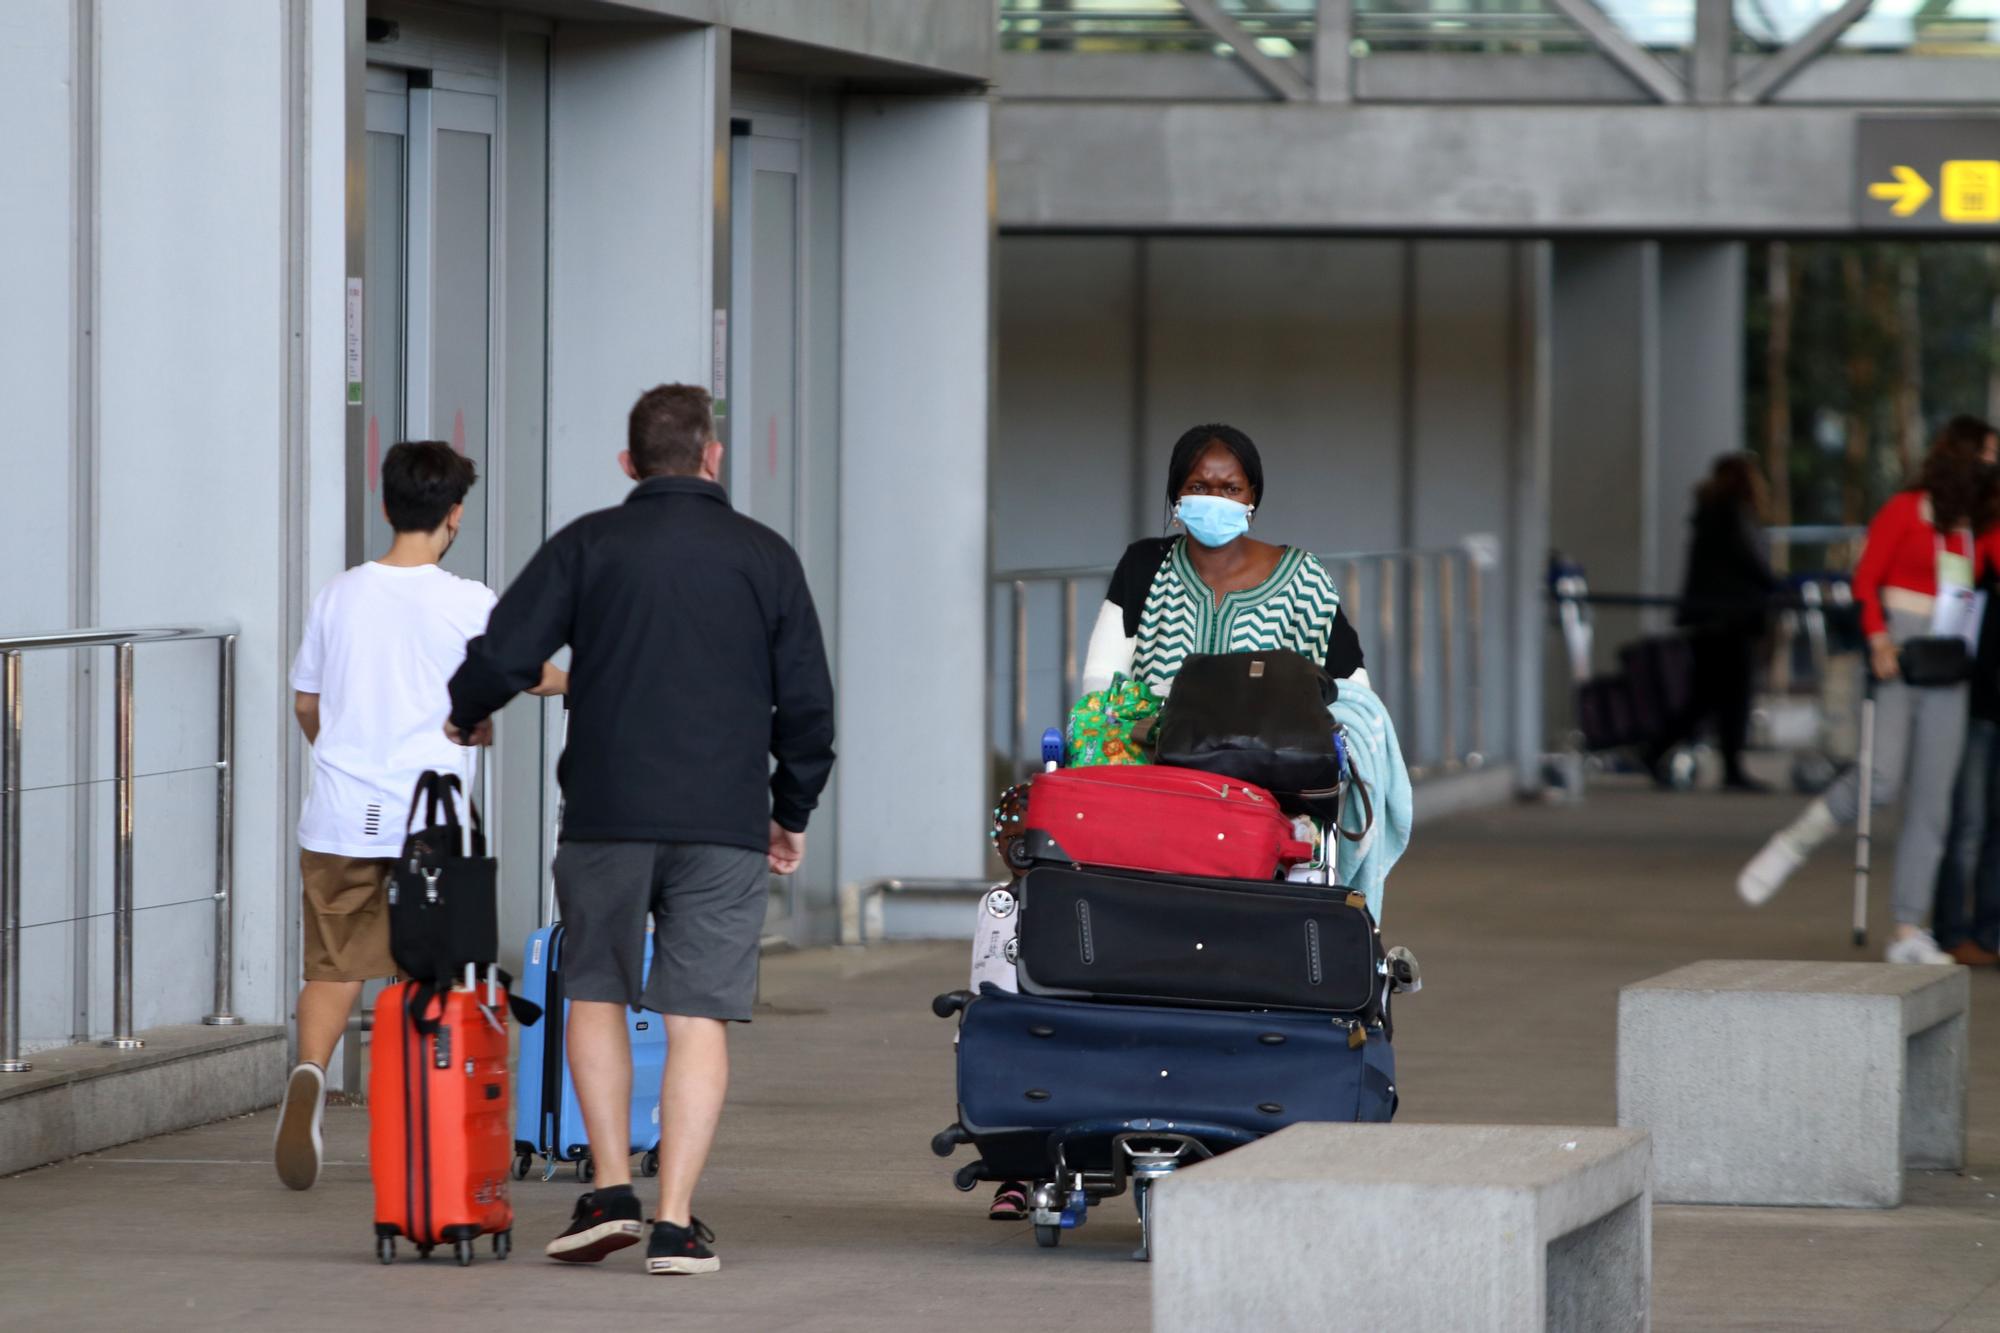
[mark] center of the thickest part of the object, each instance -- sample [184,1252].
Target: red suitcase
[1173,821]
[440,1136]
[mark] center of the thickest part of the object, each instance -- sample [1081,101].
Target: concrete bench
[1434,1227]
[1795,1083]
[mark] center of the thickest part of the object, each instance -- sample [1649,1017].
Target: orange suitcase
[440,1134]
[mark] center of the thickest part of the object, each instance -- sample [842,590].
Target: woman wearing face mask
[1212,588]
[1215,589]
[1927,547]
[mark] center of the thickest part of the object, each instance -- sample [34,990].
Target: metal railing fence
[122,642]
[1421,615]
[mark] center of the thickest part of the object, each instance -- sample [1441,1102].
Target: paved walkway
[834,1216]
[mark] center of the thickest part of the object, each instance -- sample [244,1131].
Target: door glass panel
[382,338]
[461,254]
[772,437]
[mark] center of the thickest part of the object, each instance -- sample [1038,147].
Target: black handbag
[1259,717]
[444,911]
[1934,660]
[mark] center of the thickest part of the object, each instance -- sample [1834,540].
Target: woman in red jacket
[1925,546]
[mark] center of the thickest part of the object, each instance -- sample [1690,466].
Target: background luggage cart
[1809,702]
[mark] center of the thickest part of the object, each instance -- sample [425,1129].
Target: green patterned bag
[1112,725]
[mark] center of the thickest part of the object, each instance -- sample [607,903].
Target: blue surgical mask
[1212,520]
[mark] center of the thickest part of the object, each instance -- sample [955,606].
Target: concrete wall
[41,510]
[173,261]
[1379,378]
[631,193]
[914,410]
[156,244]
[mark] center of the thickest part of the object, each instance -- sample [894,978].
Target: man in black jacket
[696,660]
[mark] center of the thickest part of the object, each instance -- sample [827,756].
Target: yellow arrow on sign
[1906,193]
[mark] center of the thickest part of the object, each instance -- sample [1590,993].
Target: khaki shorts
[346,917]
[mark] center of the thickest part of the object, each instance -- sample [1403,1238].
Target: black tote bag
[444,892]
[1259,717]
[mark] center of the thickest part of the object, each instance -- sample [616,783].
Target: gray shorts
[707,902]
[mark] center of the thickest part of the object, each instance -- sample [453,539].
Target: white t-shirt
[381,644]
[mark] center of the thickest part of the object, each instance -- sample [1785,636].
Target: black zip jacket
[695,659]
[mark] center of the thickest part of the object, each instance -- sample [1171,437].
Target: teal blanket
[1376,759]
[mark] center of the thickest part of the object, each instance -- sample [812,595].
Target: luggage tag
[1959,610]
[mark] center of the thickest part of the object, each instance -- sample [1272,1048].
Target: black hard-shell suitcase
[1038,1075]
[1167,939]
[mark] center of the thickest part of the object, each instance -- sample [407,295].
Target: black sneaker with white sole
[604,1220]
[681,1249]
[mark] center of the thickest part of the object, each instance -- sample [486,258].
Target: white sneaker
[298,1146]
[1768,870]
[1918,948]
[1784,854]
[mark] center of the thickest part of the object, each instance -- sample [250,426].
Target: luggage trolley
[1073,1165]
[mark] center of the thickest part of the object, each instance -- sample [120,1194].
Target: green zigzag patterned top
[1293,608]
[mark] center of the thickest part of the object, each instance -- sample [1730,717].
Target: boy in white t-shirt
[381,642]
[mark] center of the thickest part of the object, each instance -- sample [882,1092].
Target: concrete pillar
[632,200]
[1701,384]
[1528,510]
[195,468]
[1604,405]
[1647,388]
[915,398]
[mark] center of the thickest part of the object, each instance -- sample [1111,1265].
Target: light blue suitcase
[548,1122]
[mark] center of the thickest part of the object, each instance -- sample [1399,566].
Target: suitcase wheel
[461,1250]
[586,1169]
[385,1249]
[649,1165]
[1048,1237]
[503,1244]
[522,1162]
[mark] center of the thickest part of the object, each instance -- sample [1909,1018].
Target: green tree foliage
[1880,343]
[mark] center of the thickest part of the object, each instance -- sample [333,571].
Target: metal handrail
[122,641]
[861,904]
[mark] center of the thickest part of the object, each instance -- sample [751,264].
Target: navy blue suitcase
[1038,1074]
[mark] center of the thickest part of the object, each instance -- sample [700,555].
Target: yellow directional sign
[1906,193]
[1936,173]
[1971,192]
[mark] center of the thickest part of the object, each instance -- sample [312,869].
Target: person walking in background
[1970,932]
[1725,598]
[696,659]
[369,694]
[1929,541]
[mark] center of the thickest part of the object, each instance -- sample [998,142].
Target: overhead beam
[1277,75]
[1395,169]
[1333,51]
[1637,62]
[1777,69]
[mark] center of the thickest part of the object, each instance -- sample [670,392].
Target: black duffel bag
[1259,717]
[444,913]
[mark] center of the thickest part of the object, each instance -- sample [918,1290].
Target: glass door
[427,309]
